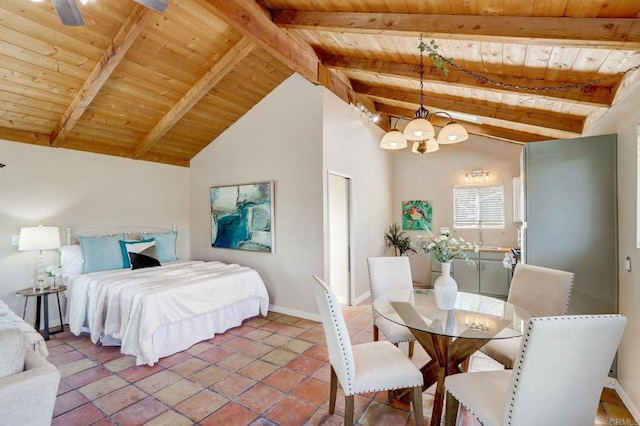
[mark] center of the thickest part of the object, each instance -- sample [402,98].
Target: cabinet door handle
[482,266]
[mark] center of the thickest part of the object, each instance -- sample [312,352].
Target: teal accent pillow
[128,246]
[101,253]
[165,244]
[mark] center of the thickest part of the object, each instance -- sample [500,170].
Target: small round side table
[42,300]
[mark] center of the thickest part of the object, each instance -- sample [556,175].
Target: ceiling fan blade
[68,12]
[157,5]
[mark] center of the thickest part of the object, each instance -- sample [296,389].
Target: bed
[156,310]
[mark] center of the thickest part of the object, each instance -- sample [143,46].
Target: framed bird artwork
[417,215]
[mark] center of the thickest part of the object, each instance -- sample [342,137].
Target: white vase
[445,289]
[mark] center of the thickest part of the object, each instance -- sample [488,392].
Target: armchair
[29,383]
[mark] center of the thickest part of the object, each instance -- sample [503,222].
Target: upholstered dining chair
[561,368]
[387,274]
[367,367]
[542,292]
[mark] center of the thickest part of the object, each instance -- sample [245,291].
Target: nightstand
[42,295]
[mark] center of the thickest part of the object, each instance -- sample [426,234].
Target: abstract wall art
[417,215]
[242,217]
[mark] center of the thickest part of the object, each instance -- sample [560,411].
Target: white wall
[433,176]
[279,140]
[65,188]
[623,119]
[295,136]
[351,148]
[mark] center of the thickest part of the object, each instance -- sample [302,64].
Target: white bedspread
[131,305]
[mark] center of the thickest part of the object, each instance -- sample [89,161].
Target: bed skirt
[182,335]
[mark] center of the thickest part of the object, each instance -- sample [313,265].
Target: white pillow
[71,260]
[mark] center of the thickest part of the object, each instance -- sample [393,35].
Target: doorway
[339,189]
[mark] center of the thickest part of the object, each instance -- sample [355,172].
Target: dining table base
[448,345]
[447,354]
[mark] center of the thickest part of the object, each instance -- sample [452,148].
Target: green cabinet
[488,276]
[467,276]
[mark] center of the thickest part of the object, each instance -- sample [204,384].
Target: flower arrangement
[54,270]
[444,247]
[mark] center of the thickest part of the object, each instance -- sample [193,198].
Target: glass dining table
[450,337]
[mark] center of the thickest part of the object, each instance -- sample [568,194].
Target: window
[478,206]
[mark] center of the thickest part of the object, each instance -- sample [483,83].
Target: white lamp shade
[452,133]
[39,238]
[393,140]
[419,129]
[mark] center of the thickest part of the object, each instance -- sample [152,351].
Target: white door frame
[348,293]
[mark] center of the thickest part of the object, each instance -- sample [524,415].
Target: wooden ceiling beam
[216,73]
[607,33]
[593,95]
[110,59]
[476,129]
[626,84]
[564,123]
[253,21]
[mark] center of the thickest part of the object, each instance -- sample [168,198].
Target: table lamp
[39,238]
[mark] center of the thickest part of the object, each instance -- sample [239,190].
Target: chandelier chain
[442,62]
[421,74]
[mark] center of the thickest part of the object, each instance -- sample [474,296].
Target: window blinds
[478,206]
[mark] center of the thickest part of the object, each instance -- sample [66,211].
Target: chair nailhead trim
[349,388]
[526,341]
[342,344]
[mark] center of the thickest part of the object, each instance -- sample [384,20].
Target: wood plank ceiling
[160,87]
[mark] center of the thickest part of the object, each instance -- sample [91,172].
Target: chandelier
[419,131]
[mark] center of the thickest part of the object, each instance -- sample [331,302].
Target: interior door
[339,236]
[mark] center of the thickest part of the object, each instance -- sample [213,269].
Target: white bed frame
[72,237]
[182,335]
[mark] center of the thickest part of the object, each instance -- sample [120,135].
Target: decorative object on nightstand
[55,273]
[443,249]
[39,238]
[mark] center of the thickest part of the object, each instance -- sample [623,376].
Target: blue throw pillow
[165,244]
[101,253]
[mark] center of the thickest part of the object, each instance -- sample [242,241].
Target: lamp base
[39,286]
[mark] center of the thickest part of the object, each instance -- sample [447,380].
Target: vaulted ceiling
[160,87]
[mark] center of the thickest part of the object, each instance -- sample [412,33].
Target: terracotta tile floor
[271,371]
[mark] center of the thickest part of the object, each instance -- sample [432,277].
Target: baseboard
[295,313]
[625,399]
[362,298]
[309,315]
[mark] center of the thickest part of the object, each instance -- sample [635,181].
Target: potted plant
[398,240]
